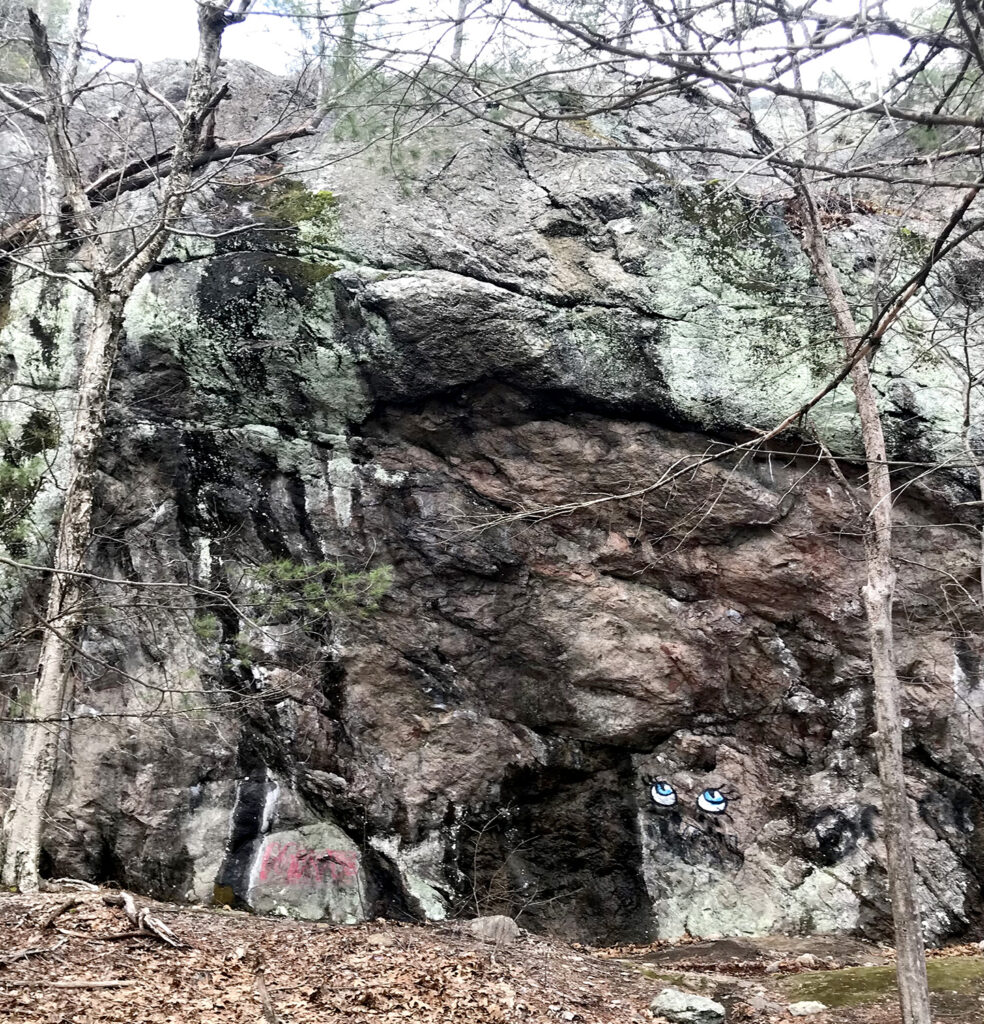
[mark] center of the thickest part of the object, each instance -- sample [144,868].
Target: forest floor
[69,958]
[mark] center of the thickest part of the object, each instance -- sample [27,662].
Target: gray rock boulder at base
[807,1008]
[686,1007]
[497,929]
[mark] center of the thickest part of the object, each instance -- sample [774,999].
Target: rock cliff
[644,718]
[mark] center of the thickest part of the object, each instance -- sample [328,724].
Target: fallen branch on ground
[57,884]
[142,920]
[23,954]
[67,984]
[69,904]
[259,984]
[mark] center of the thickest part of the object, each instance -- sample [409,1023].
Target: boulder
[806,1008]
[686,1007]
[497,929]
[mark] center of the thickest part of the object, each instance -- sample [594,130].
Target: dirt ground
[82,964]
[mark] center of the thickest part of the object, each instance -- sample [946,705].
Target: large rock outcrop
[525,720]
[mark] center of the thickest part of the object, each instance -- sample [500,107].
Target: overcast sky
[153,31]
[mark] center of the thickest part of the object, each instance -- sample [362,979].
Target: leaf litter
[84,960]
[231,966]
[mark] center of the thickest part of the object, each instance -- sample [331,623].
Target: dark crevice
[561,851]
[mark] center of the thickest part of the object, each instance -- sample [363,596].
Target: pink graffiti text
[290,864]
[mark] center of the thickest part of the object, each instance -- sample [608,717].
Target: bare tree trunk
[321,55]
[625,21]
[53,685]
[459,32]
[51,186]
[879,592]
[111,286]
[343,66]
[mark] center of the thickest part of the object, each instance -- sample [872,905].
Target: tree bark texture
[458,43]
[53,682]
[879,594]
[343,66]
[111,285]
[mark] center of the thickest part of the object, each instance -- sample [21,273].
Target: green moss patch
[294,202]
[223,895]
[854,986]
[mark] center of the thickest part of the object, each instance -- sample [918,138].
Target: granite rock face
[646,717]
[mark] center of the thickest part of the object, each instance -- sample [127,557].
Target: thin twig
[36,983]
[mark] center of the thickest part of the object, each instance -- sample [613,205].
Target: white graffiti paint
[663,794]
[712,801]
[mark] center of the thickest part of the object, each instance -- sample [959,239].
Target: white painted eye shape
[712,801]
[663,794]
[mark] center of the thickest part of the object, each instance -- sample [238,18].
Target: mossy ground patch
[854,986]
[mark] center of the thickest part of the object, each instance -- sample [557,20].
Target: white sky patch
[152,31]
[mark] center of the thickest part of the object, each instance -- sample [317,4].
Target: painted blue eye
[712,801]
[663,794]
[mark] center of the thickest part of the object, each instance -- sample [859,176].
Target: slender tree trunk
[459,32]
[343,66]
[52,185]
[879,594]
[626,18]
[321,55]
[110,288]
[53,685]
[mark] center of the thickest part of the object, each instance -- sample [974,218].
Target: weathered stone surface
[522,328]
[313,872]
[686,1007]
[497,929]
[807,1008]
